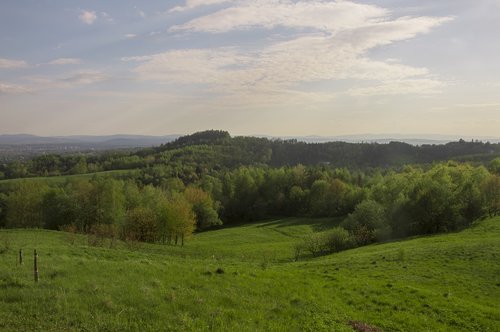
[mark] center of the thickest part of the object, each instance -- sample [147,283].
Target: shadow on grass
[317,224]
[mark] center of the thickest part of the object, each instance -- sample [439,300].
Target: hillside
[204,152]
[23,147]
[111,141]
[441,282]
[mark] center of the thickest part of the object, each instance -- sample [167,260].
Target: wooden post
[20,256]
[36,266]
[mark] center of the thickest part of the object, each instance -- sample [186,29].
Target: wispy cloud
[71,80]
[65,61]
[479,105]
[12,64]
[9,88]
[84,77]
[88,17]
[320,15]
[476,106]
[191,4]
[397,87]
[189,66]
[330,43]
[106,17]
[130,35]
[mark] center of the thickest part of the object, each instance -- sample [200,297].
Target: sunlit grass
[243,278]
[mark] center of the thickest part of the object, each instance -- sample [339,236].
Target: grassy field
[244,279]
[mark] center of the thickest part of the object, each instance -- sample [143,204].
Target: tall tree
[181,218]
[491,193]
[203,207]
[24,205]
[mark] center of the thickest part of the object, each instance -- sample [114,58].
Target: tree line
[109,207]
[202,152]
[163,205]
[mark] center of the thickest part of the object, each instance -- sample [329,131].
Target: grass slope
[437,283]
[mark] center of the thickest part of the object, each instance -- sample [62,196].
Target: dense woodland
[191,156]
[209,179]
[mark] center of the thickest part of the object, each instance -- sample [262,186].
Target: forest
[208,179]
[191,156]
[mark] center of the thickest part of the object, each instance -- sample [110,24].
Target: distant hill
[111,141]
[21,147]
[412,139]
[217,148]
[131,141]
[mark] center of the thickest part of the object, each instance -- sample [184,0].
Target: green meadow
[245,278]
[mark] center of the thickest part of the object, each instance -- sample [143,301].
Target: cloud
[320,15]
[478,105]
[105,16]
[84,77]
[12,64]
[78,78]
[130,35]
[191,4]
[65,61]
[397,87]
[88,17]
[283,65]
[188,66]
[9,88]
[326,42]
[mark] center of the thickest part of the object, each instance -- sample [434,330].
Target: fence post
[20,256]
[36,266]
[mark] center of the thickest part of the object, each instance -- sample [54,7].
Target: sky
[252,67]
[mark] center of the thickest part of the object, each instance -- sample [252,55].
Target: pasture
[244,278]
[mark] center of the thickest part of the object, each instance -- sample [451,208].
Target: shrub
[338,239]
[367,223]
[383,233]
[315,244]
[99,233]
[401,255]
[364,235]
[298,249]
[70,230]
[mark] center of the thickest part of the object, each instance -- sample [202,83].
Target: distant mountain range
[416,139]
[140,141]
[112,141]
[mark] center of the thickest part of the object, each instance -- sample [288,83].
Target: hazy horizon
[277,68]
[427,136]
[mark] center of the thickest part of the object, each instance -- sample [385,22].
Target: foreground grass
[438,283]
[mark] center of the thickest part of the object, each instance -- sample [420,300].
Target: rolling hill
[245,278]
